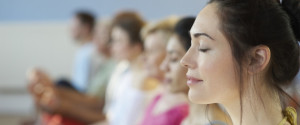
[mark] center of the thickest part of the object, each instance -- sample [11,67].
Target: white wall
[24,45]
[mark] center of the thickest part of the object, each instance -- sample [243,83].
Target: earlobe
[259,59]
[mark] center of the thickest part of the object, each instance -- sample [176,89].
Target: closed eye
[204,50]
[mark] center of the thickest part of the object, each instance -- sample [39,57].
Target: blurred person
[82,31]
[64,105]
[127,92]
[156,36]
[166,108]
[177,46]
[241,53]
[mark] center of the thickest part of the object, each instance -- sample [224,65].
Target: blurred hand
[43,90]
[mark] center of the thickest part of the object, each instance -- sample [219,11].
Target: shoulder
[290,117]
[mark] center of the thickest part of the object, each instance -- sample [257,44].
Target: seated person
[167,108]
[129,89]
[82,30]
[66,105]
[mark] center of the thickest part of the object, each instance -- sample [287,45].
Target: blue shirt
[81,70]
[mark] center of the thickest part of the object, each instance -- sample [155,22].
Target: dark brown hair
[249,23]
[132,23]
[86,18]
[182,30]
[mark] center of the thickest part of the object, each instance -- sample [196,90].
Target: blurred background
[37,33]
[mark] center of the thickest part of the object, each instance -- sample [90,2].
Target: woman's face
[211,69]
[174,72]
[155,52]
[121,47]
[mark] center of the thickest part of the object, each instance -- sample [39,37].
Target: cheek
[180,73]
[155,60]
[218,72]
[114,48]
[159,59]
[149,60]
[179,76]
[120,49]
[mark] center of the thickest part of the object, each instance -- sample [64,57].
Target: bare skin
[211,69]
[58,100]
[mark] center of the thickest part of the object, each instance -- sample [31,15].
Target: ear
[259,59]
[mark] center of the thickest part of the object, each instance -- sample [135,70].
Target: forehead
[156,39]
[175,45]
[117,30]
[207,20]
[119,33]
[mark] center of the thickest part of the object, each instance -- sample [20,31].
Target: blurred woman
[177,46]
[126,94]
[166,108]
[241,53]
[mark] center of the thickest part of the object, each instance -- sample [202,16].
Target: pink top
[173,116]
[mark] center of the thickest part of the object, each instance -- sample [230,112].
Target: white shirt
[124,102]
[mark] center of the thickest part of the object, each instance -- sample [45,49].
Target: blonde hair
[165,26]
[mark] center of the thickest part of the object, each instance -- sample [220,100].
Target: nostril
[183,63]
[186,66]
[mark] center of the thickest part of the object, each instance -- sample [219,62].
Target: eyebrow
[196,35]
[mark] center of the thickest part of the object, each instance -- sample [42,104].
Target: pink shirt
[173,116]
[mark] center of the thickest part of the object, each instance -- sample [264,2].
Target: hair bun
[292,8]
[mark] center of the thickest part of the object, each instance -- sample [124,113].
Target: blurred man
[80,101]
[63,105]
[82,29]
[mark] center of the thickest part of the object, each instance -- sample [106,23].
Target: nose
[184,63]
[164,65]
[187,60]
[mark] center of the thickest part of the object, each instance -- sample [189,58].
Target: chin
[180,90]
[174,91]
[198,98]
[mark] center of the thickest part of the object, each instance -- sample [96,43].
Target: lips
[192,80]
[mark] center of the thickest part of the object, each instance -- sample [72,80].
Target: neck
[197,110]
[255,112]
[204,114]
[135,58]
[134,61]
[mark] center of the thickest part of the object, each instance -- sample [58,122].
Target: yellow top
[290,117]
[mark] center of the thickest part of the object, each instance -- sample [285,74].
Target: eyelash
[204,50]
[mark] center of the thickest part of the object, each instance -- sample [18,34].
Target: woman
[126,95]
[177,46]
[166,108]
[241,53]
